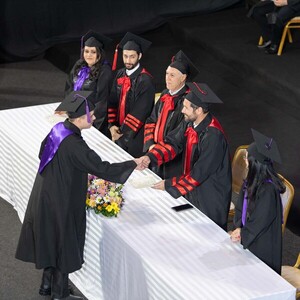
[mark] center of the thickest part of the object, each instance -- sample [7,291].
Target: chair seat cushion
[292,275]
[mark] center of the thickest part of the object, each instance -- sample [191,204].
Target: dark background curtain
[29,28]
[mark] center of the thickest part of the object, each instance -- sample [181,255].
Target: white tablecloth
[149,251]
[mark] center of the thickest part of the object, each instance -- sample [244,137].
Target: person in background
[53,230]
[166,114]
[258,213]
[206,178]
[92,72]
[271,16]
[132,96]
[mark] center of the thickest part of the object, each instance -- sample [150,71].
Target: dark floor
[258,91]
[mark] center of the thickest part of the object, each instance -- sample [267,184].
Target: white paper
[143,181]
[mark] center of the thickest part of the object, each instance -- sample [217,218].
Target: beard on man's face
[131,66]
[191,118]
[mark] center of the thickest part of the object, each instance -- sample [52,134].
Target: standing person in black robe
[206,179]
[258,213]
[166,114]
[53,230]
[93,73]
[132,97]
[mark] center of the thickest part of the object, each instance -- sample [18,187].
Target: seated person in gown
[206,177]
[258,213]
[92,72]
[166,114]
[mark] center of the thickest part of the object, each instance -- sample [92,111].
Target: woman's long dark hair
[259,174]
[95,69]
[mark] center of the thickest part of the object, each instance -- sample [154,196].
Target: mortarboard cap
[264,148]
[201,95]
[77,104]
[182,63]
[94,39]
[131,41]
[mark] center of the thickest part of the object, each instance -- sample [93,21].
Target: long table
[149,251]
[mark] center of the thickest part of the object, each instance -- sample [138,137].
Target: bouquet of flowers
[104,197]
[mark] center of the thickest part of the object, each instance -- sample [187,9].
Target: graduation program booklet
[144,181]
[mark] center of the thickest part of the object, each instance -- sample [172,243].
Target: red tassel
[114,65]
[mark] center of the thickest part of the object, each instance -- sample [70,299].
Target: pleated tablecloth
[149,251]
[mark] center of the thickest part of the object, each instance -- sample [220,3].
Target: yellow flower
[115,207]
[109,208]
[92,203]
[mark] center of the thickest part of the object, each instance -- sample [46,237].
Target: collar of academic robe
[135,73]
[178,95]
[204,124]
[72,127]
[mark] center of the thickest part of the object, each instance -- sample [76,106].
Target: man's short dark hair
[194,106]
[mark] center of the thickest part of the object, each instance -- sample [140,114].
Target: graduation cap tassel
[268,145]
[114,66]
[87,110]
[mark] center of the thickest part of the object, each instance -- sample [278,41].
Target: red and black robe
[130,104]
[166,116]
[206,180]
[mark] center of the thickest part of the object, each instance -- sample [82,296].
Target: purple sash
[57,134]
[245,204]
[83,74]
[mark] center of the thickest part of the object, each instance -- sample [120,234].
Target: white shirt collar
[129,72]
[175,92]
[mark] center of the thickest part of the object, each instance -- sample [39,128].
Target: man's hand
[145,161]
[159,185]
[236,235]
[280,3]
[115,133]
[140,166]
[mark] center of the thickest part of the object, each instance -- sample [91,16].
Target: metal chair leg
[282,40]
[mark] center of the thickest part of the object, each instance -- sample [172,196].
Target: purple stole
[83,74]
[57,134]
[245,203]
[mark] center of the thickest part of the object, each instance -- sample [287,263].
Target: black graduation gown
[53,231]
[100,87]
[208,186]
[175,117]
[262,233]
[138,107]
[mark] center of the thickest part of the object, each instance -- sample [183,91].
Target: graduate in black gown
[92,72]
[166,114]
[206,179]
[53,231]
[132,97]
[258,213]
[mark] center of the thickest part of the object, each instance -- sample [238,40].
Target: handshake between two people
[142,163]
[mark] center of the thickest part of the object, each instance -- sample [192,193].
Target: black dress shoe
[273,49]
[45,290]
[70,297]
[264,45]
